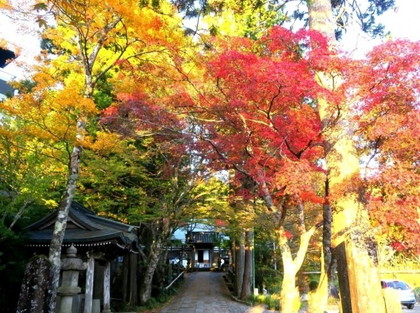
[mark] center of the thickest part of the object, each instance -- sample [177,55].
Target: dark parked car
[406,294]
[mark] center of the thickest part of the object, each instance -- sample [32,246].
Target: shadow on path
[206,292]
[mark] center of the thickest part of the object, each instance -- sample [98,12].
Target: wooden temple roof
[84,229]
[201,238]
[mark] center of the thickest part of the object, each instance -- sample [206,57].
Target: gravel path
[206,292]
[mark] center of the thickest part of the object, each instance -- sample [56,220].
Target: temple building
[204,255]
[100,243]
[201,250]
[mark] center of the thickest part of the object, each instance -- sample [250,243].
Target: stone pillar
[89,284]
[71,267]
[107,288]
[34,291]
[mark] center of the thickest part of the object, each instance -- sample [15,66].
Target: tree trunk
[239,264]
[246,281]
[149,271]
[160,232]
[350,221]
[364,277]
[289,295]
[61,222]
[326,236]
[318,298]
[343,278]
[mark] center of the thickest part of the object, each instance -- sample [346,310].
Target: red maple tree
[386,88]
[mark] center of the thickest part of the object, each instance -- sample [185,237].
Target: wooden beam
[107,288]
[89,284]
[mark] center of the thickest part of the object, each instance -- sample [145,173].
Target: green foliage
[272,302]
[103,94]
[268,278]
[257,16]
[417,294]
[28,178]
[114,184]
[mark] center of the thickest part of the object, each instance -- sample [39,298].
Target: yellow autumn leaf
[104,143]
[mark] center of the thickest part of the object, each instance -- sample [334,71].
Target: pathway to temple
[206,292]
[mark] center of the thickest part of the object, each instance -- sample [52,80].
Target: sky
[403,22]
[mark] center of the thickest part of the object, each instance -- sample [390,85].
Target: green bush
[268,278]
[417,294]
[272,302]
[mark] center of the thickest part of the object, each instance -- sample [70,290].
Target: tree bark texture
[34,291]
[160,232]
[246,282]
[343,278]
[239,264]
[289,295]
[350,220]
[61,222]
[149,271]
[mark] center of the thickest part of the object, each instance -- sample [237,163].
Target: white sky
[403,22]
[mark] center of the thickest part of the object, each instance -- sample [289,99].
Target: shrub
[272,302]
[417,294]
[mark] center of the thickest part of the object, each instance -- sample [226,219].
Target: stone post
[71,266]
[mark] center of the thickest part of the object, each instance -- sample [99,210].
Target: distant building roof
[201,237]
[6,55]
[84,229]
[5,88]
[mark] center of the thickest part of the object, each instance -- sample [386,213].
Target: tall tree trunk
[61,222]
[326,235]
[160,234]
[152,263]
[318,299]
[246,281]
[239,264]
[350,222]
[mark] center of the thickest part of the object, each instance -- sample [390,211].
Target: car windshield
[400,285]
[388,284]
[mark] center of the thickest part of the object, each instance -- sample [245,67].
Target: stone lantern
[71,266]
